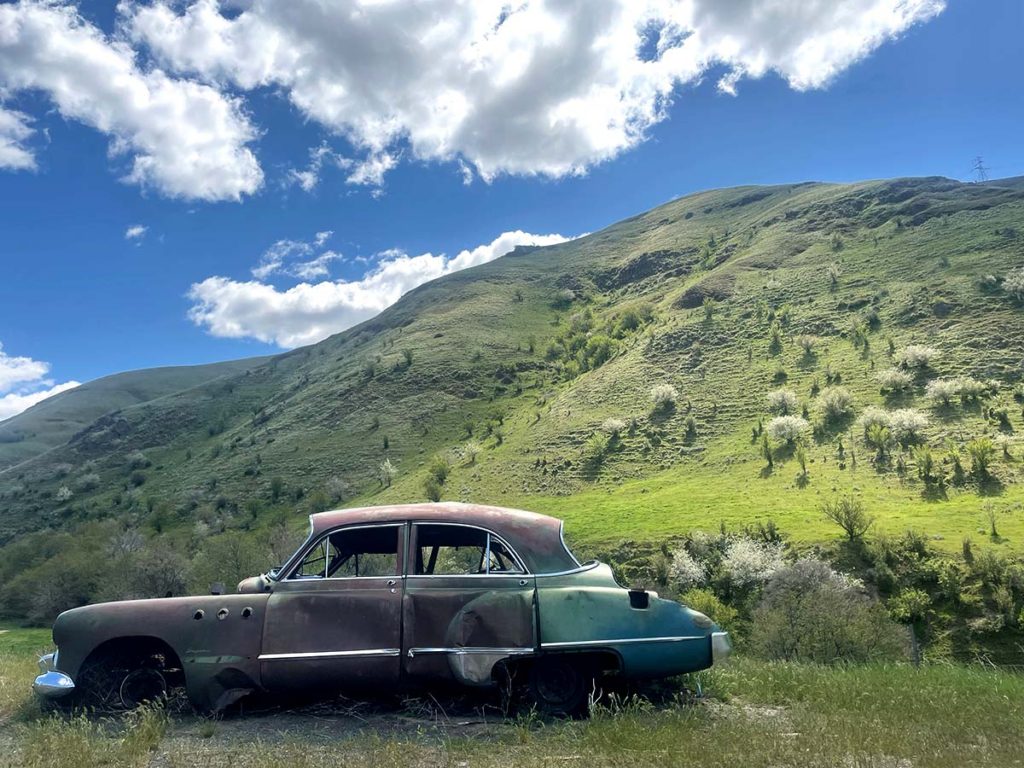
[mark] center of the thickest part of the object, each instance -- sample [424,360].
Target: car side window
[353,553]
[458,550]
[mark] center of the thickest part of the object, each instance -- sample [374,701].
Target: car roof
[536,538]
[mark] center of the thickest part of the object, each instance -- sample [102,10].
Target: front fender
[216,637]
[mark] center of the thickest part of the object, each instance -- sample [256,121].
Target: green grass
[754,714]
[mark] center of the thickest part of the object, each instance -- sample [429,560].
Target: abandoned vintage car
[409,595]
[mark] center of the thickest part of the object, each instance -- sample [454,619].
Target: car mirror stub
[639,599]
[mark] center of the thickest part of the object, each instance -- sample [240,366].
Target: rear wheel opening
[561,685]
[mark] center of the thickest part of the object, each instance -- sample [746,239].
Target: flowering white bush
[916,356]
[1013,284]
[64,494]
[787,429]
[782,401]
[970,389]
[664,395]
[748,562]
[907,424]
[836,402]
[894,379]
[685,572]
[613,426]
[873,415]
[942,391]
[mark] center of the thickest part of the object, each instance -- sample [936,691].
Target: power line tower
[980,171]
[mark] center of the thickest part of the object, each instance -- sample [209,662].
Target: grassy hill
[56,420]
[528,382]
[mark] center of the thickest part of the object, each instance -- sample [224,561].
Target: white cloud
[14,131]
[309,312]
[280,258]
[183,138]
[309,178]
[135,232]
[539,87]
[12,404]
[23,384]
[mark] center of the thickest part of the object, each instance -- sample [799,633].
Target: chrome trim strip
[624,641]
[331,654]
[470,651]
[585,567]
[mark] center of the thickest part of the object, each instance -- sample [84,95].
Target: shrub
[879,437]
[685,571]
[942,391]
[807,343]
[1013,283]
[64,494]
[596,449]
[229,558]
[894,380]
[136,460]
[981,451]
[787,429]
[431,489]
[664,397]
[907,424]
[707,602]
[925,461]
[439,468]
[750,562]
[836,402]
[916,356]
[782,402]
[909,605]
[88,482]
[848,513]
[872,416]
[810,613]
[614,427]
[970,389]
[336,489]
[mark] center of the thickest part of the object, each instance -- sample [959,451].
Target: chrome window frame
[310,544]
[412,539]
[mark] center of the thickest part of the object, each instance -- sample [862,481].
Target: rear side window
[458,550]
[353,553]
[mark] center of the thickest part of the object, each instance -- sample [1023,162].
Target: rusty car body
[392,596]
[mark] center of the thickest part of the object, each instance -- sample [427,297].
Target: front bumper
[721,647]
[52,684]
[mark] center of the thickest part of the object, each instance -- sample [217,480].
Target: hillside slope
[509,373]
[54,421]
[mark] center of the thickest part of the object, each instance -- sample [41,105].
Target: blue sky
[79,299]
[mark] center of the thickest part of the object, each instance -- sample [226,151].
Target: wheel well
[599,662]
[140,646]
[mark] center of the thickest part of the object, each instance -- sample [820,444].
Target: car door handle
[391,585]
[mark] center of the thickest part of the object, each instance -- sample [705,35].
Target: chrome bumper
[52,684]
[721,647]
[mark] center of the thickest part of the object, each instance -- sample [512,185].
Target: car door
[469,604]
[334,621]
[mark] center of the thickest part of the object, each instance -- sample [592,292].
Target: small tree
[942,391]
[613,427]
[709,308]
[276,488]
[766,450]
[801,459]
[386,473]
[907,424]
[470,451]
[407,357]
[925,461]
[431,489]
[808,344]
[848,513]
